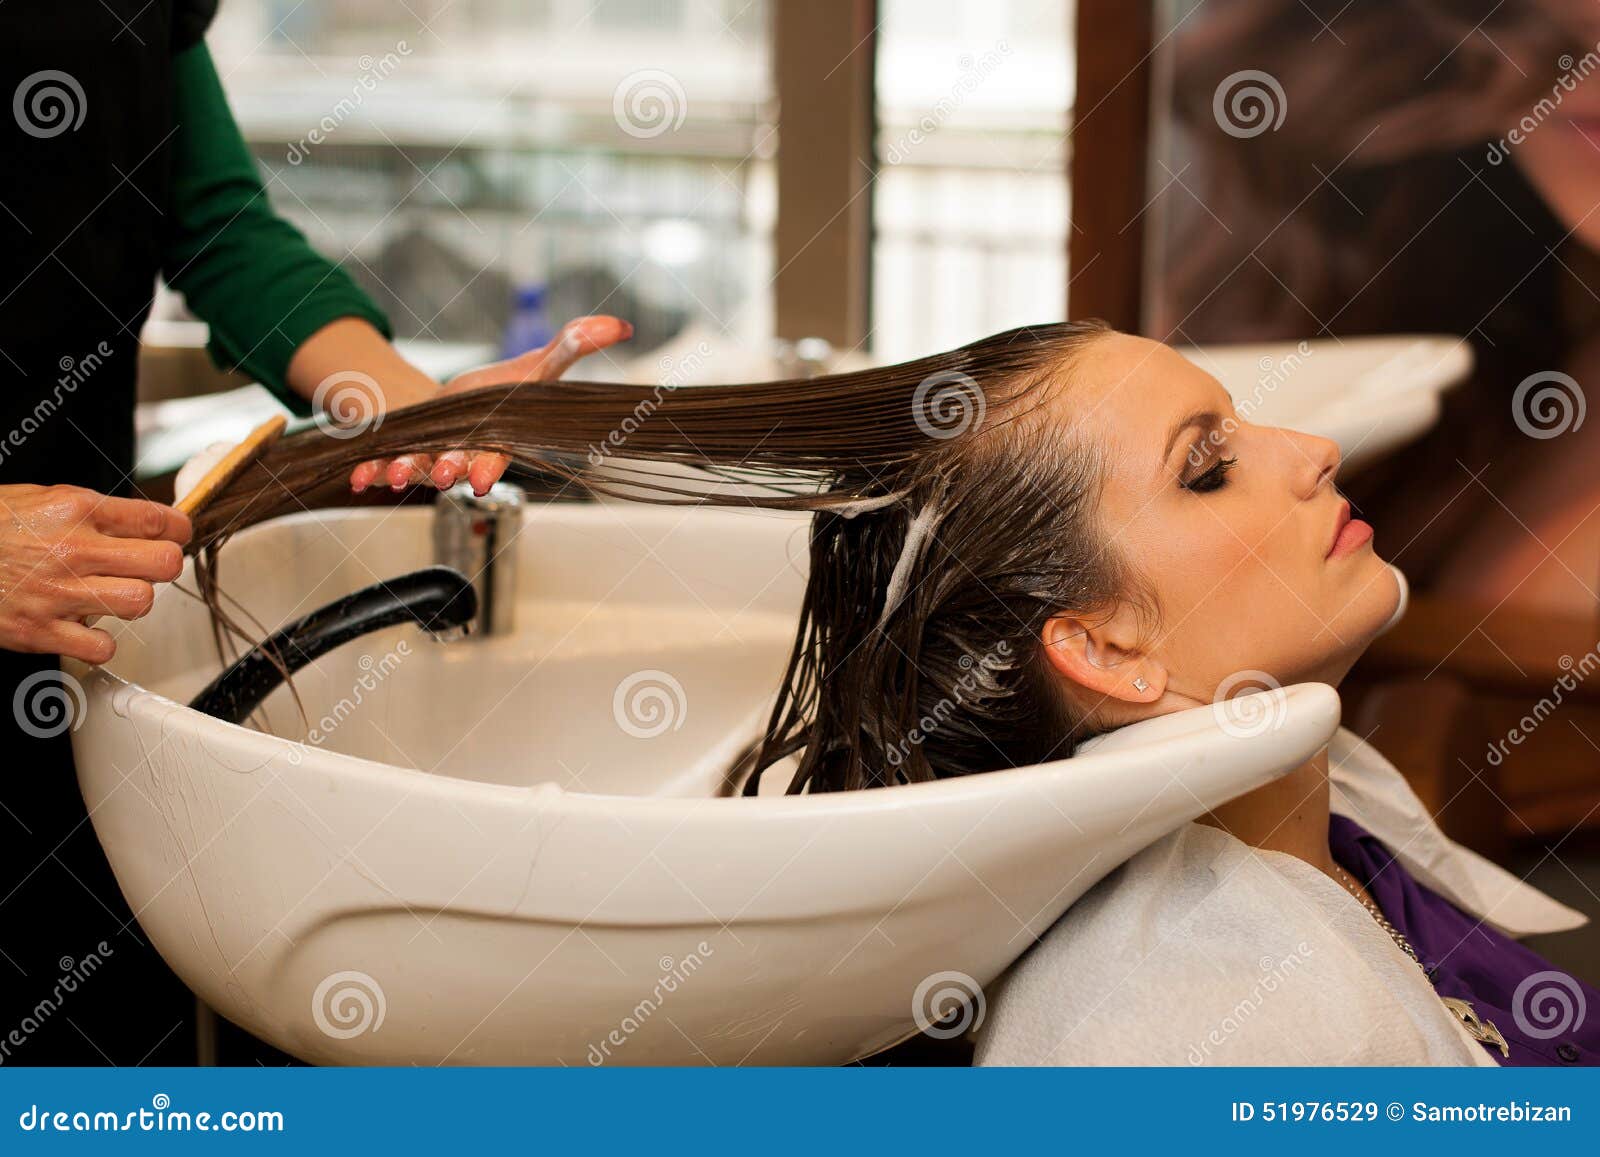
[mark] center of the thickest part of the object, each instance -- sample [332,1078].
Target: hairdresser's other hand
[67,553]
[483,469]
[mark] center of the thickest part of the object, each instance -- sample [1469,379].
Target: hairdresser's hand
[66,553]
[577,338]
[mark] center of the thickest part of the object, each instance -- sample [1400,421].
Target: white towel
[1203,950]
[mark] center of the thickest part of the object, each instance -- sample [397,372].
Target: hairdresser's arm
[578,338]
[243,269]
[287,316]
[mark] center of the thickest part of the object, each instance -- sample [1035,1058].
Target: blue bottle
[529,326]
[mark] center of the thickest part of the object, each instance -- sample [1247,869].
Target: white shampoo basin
[517,850]
[1371,395]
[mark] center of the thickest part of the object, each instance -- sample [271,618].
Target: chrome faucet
[477,536]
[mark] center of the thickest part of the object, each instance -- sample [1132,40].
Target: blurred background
[472,169]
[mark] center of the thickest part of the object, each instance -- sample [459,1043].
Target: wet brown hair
[951,521]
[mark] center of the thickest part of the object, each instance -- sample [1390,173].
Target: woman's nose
[1314,462]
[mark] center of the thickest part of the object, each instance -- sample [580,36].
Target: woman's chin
[1369,604]
[1376,605]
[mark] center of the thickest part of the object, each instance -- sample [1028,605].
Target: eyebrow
[1205,419]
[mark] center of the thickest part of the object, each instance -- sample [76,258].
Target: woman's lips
[1350,534]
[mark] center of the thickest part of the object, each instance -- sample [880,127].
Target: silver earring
[1140,685]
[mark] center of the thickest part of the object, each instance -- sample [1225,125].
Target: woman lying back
[1039,538]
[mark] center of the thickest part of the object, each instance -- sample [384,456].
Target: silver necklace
[1395,934]
[1477,1028]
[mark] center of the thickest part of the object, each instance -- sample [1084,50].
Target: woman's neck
[1290,814]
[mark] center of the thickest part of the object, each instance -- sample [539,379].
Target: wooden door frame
[1108,163]
[824,54]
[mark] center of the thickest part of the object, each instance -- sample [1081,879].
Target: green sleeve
[247,272]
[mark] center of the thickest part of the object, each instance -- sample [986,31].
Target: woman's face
[1236,529]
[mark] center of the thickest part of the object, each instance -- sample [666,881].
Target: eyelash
[1213,479]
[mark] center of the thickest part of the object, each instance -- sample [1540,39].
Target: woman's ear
[1103,656]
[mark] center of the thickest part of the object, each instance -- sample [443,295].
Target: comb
[214,480]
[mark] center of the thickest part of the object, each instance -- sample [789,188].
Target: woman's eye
[1214,478]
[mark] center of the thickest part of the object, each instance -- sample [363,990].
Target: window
[460,155]
[970,216]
